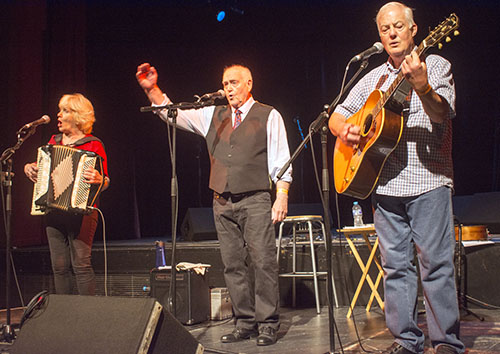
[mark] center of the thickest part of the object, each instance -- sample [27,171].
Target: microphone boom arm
[180,105]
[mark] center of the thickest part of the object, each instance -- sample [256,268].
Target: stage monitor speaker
[198,225]
[95,324]
[193,294]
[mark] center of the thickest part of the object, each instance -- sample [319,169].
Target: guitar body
[357,169]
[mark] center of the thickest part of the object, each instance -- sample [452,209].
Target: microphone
[213,95]
[376,48]
[43,120]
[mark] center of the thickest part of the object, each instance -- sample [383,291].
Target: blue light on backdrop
[221,15]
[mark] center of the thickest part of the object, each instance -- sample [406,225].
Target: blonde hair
[83,111]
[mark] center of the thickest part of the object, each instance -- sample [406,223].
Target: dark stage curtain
[297,51]
[46,57]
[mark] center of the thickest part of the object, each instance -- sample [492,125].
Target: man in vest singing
[248,146]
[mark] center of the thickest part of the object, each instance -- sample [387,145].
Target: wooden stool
[303,224]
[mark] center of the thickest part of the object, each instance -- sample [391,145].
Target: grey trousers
[248,249]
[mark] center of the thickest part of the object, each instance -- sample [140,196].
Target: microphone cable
[35,303]
[104,249]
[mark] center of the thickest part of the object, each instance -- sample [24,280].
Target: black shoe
[397,348]
[238,334]
[445,349]
[267,336]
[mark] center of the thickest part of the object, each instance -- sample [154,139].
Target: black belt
[234,197]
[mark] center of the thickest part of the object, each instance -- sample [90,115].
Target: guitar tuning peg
[456,33]
[440,46]
[448,39]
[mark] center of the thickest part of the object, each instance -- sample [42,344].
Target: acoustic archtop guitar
[357,169]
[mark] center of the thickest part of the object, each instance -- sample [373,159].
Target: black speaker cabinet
[199,225]
[193,294]
[96,324]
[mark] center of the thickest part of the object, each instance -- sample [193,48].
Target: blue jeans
[424,223]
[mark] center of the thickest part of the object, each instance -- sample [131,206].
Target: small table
[365,231]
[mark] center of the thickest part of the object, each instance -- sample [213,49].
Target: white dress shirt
[199,120]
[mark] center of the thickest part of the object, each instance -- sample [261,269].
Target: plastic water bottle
[357,214]
[160,254]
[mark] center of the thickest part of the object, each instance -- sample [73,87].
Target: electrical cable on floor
[35,303]
[104,250]
[219,323]
[14,272]
[481,303]
[217,351]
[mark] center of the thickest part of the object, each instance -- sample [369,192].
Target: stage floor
[304,331]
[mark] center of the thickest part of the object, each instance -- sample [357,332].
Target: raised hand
[146,76]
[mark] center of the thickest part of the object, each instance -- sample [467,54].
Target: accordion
[60,183]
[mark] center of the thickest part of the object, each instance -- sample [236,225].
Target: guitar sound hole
[368,124]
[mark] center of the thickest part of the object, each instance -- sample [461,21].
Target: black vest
[239,158]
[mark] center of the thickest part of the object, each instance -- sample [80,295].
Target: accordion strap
[87,139]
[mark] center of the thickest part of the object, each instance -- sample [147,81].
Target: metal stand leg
[333,280]
[313,261]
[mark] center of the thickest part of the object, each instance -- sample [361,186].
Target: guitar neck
[421,49]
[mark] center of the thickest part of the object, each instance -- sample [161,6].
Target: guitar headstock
[442,31]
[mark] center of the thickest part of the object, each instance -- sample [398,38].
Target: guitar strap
[400,99]
[381,81]
[84,140]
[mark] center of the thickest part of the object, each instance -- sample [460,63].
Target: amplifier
[192,294]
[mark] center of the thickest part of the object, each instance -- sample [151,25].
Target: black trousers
[248,249]
[70,239]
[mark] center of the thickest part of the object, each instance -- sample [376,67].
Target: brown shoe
[445,349]
[238,334]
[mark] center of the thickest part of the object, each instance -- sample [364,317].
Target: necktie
[237,119]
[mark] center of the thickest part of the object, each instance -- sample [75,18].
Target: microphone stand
[321,123]
[172,115]
[8,334]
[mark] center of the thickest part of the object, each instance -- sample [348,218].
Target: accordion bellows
[60,183]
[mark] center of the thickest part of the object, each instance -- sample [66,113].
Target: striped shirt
[422,160]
